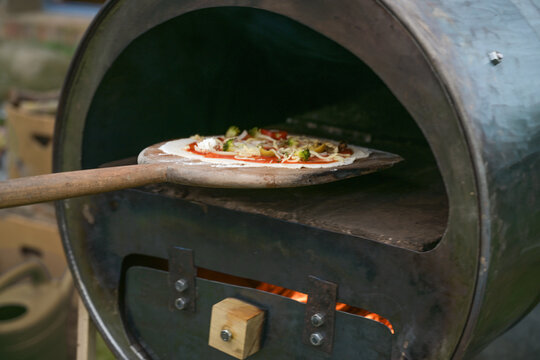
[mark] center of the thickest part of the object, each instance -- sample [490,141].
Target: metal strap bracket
[320,314]
[182,275]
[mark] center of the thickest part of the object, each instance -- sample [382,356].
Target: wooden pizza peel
[155,166]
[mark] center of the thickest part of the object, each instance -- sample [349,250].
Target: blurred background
[38,305]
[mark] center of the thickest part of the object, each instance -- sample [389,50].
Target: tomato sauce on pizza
[264,148]
[269,146]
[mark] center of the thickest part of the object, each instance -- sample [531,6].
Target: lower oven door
[166,333]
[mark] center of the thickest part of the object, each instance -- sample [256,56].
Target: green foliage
[102,351]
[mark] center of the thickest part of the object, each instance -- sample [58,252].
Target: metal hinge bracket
[182,275]
[320,314]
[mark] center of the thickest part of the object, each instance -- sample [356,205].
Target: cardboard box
[31,231]
[29,142]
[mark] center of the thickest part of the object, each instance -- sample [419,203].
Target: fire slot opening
[291,294]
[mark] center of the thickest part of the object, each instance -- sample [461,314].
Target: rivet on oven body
[317,319]
[316,339]
[181,303]
[181,285]
[225,335]
[495,57]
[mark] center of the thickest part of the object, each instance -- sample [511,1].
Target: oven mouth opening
[203,71]
[216,276]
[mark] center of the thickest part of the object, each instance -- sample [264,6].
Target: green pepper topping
[254,131]
[228,145]
[232,131]
[292,142]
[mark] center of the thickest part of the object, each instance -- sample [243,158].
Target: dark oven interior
[201,72]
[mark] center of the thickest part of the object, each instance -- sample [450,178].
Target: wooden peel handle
[34,189]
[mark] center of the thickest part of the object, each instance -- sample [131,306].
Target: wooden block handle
[236,328]
[34,189]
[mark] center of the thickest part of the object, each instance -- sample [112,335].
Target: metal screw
[181,303]
[181,285]
[316,339]
[226,335]
[495,57]
[317,319]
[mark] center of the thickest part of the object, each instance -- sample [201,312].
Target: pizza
[265,148]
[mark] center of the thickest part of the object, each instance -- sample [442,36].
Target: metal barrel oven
[439,254]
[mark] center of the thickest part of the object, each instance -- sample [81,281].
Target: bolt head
[181,285]
[181,303]
[225,335]
[495,57]
[317,319]
[316,339]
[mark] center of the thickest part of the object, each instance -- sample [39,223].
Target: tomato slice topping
[275,134]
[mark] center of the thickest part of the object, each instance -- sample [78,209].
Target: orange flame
[295,295]
[301,297]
